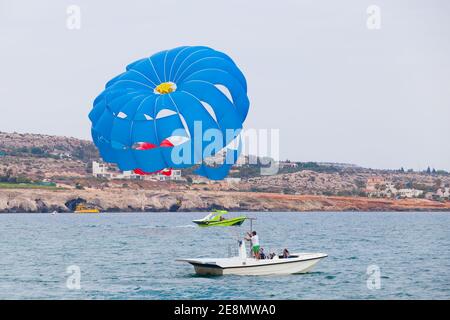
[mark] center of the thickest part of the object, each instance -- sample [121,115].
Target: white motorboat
[243,265]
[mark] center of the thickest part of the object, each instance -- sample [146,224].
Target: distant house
[174,176]
[391,187]
[61,154]
[389,190]
[429,195]
[338,165]
[380,188]
[409,193]
[287,164]
[103,170]
[373,184]
[201,180]
[232,180]
[443,193]
[217,159]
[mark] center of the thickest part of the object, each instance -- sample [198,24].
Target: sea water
[132,256]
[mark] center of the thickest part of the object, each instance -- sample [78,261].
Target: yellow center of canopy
[165,87]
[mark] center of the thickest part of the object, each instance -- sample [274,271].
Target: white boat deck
[296,263]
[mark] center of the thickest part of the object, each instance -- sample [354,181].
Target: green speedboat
[216,219]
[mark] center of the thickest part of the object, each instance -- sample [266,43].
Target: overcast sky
[337,90]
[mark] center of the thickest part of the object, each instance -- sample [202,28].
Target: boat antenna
[251,223]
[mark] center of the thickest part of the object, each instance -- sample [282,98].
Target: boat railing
[233,250]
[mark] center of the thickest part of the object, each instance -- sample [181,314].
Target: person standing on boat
[254,239]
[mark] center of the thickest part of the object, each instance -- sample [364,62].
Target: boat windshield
[215,216]
[208,217]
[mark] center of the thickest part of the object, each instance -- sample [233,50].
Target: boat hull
[223,223]
[235,266]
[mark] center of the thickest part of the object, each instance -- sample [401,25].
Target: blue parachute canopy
[175,109]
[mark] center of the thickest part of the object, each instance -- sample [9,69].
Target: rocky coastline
[126,200]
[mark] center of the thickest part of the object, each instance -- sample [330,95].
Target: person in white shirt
[254,239]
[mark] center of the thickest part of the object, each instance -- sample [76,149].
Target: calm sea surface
[132,256]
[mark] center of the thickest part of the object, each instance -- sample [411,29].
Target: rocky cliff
[28,200]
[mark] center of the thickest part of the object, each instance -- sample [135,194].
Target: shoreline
[149,200]
[246,212]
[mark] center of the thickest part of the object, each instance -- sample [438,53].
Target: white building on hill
[231,180]
[103,170]
[409,193]
[373,184]
[443,192]
[288,164]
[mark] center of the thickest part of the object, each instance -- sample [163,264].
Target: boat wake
[165,226]
[186,226]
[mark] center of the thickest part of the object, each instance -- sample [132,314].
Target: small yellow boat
[81,208]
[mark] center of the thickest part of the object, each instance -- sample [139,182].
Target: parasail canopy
[174,109]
